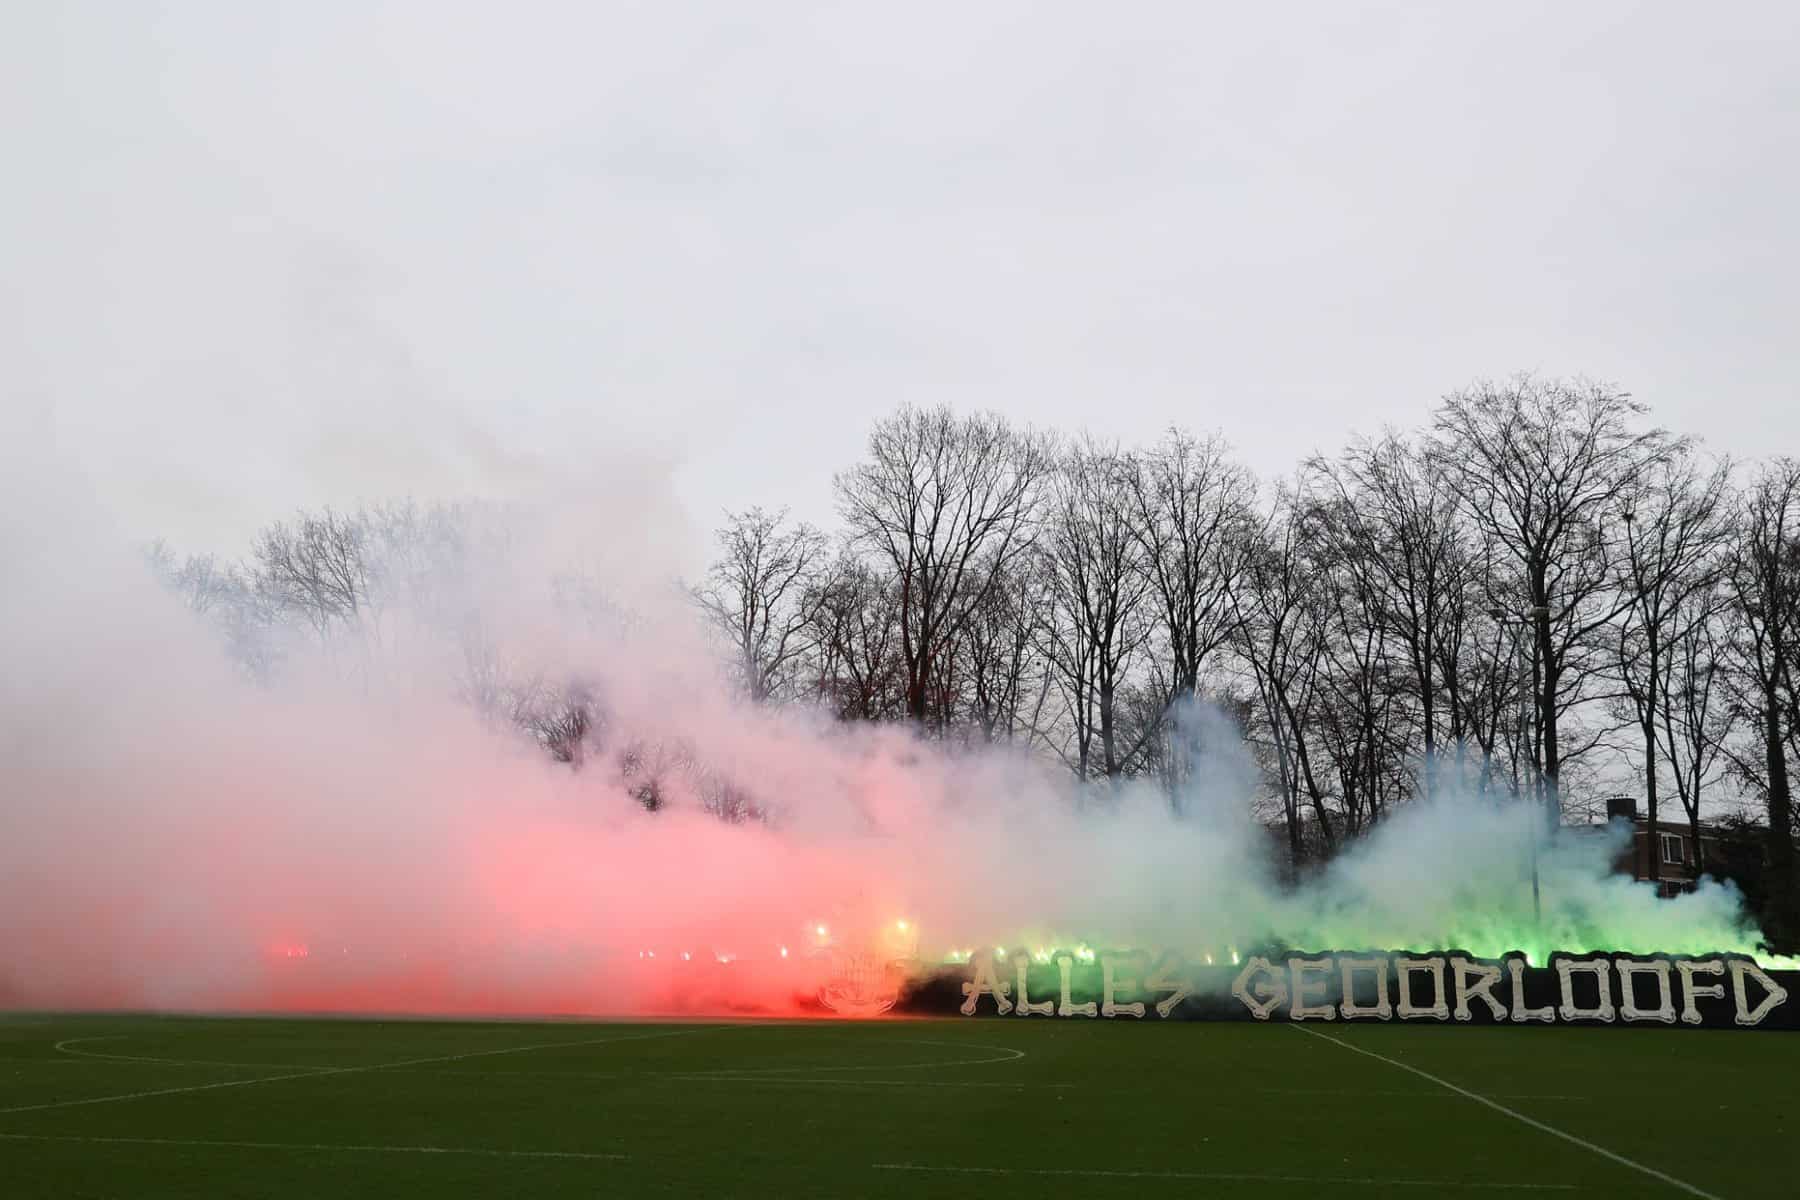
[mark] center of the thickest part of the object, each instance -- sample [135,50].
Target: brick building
[1678,861]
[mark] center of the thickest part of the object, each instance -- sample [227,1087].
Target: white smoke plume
[357,836]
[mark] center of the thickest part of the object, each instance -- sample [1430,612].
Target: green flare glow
[1440,877]
[1536,949]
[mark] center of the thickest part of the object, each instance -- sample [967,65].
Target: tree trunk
[1427,715]
[1549,743]
[1108,739]
[1782,893]
[1650,827]
[918,681]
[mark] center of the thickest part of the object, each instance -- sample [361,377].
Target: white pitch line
[1007,1054]
[940,1083]
[725,1075]
[146,1141]
[1230,1177]
[204,1087]
[1515,1114]
[322,1072]
[63,1047]
[215,1063]
[1420,1095]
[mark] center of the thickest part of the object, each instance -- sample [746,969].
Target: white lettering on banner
[1601,970]
[1405,969]
[1274,987]
[1691,991]
[1108,981]
[1488,974]
[1658,970]
[1347,1006]
[1299,1009]
[1160,980]
[1069,1008]
[985,983]
[1774,995]
[1024,1007]
[1520,1013]
[1353,987]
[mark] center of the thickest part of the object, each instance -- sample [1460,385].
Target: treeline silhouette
[1540,596]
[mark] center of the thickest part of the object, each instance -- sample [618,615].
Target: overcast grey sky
[260,255]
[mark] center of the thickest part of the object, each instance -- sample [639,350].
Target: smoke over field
[1090,372]
[357,833]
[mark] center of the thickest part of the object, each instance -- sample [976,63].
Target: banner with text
[1711,991]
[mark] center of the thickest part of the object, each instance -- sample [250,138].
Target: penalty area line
[309,1146]
[1515,1114]
[1229,1177]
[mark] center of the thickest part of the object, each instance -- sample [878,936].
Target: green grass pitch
[132,1106]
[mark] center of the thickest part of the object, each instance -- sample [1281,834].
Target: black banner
[1716,991]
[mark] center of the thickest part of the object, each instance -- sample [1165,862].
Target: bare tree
[1399,535]
[1764,578]
[1676,524]
[726,798]
[762,595]
[563,718]
[650,769]
[1007,681]
[1192,514]
[1540,465]
[1697,717]
[230,599]
[1280,633]
[317,568]
[1361,711]
[948,503]
[200,581]
[856,635]
[1381,611]
[1092,558]
[423,559]
[1477,663]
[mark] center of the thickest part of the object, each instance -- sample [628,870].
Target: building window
[1671,848]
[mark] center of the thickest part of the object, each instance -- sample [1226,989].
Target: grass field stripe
[1007,1054]
[199,1087]
[1516,1115]
[1230,1177]
[716,1077]
[1426,1095]
[607,1041]
[324,1072]
[311,1146]
[62,1047]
